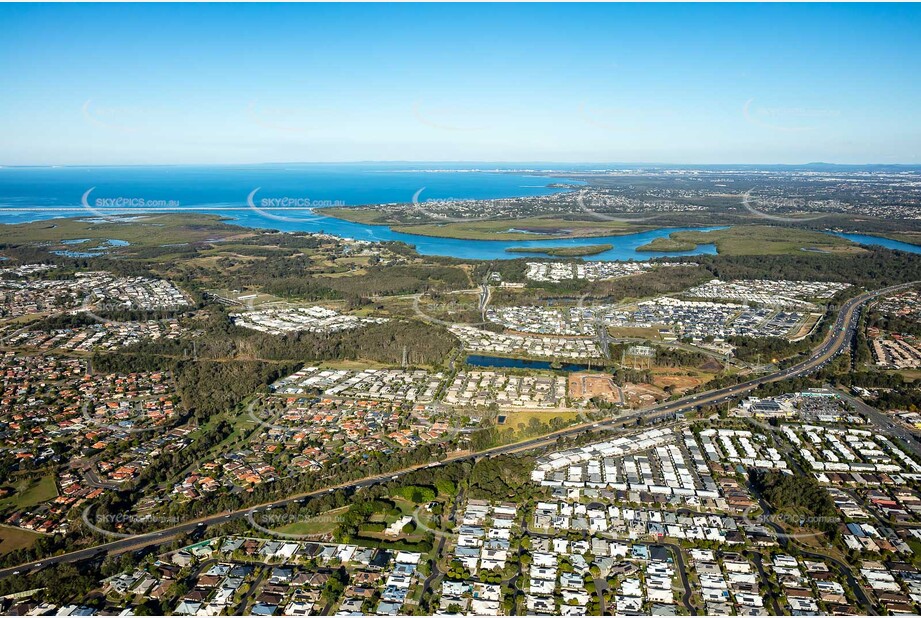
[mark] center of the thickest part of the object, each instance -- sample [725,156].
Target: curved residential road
[844,569]
[683,574]
[839,336]
[757,558]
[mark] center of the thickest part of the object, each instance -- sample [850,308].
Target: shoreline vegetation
[757,240]
[156,235]
[577,251]
[668,243]
[137,230]
[912,238]
[524,229]
[527,228]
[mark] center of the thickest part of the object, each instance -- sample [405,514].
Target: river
[37,193]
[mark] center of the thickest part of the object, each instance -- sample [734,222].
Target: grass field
[768,240]
[357,214]
[668,244]
[453,308]
[323,523]
[578,251]
[808,325]
[249,297]
[505,229]
[351,364]
[513,419]
[406,508]
[522,229]
[242,424]
[680,381]
[911,375]
[142,231]
[912,238]
[629,332]
[29,492]
[358,260]
[12,539]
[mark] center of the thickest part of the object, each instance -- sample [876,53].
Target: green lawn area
[243,424]
[767,240]
[29,492]
[12,539]
[324,523]
[372,534]
[405,507]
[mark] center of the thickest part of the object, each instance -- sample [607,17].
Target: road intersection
[839,336]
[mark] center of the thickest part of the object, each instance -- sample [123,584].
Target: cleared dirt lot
[588,385]
[12,539]
[639,395]
[679,383]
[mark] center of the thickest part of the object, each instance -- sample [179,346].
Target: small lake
[478,360]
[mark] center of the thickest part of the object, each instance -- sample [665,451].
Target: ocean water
[30,194]
[44,191]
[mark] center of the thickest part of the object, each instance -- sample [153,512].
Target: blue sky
[212,83]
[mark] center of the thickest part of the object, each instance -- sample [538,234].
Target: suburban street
[839,337]
[883,422]
[450,320]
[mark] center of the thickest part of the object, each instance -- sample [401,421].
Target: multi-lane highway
[839,336]
[884,423]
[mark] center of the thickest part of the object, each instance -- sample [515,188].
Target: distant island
[578,251]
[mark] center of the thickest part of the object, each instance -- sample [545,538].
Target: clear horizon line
[458,162]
